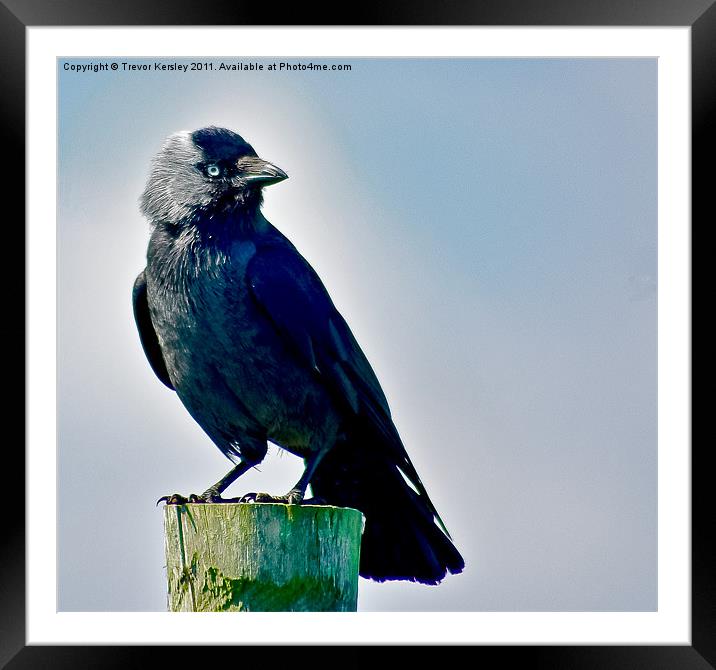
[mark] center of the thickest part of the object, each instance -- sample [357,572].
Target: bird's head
[208,172]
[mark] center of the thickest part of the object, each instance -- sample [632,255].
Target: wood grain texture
[257,557]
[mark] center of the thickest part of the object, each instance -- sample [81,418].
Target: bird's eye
[213,170]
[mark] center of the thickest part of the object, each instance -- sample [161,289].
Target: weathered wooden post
[262,557]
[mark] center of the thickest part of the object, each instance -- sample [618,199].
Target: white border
[670,625]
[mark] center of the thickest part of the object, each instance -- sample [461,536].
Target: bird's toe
[268,498]
[293,497]
[260,497]
[211,495]
[174,499]
[249,497]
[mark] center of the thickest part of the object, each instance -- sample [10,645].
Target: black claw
[174,499]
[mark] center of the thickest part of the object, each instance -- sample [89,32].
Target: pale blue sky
[487,228]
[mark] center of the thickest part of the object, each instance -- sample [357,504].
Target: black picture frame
[16,15]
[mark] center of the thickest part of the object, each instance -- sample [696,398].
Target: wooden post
[262,557]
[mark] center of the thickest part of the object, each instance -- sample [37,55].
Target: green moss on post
[231,557]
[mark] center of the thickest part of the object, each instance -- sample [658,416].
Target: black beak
[259,172]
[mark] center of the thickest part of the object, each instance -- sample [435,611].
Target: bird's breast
[201,307]
[219,346]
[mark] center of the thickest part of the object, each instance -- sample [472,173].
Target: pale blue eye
[213,170]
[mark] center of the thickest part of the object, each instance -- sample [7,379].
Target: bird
[236,321]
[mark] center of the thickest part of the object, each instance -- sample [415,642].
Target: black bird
[236,321]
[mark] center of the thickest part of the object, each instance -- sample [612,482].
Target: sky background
[488,228]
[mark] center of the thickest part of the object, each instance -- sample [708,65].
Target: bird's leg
[253,448]
[296,495]
[213,493]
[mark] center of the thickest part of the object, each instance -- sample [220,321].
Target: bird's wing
[147,334]
[294,299]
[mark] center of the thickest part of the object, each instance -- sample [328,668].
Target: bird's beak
[259,172]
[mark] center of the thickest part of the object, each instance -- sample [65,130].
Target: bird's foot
[209,496]
[293,497]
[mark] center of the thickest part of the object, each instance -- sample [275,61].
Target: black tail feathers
[401,539]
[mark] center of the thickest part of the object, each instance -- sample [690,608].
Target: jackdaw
[235,320]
